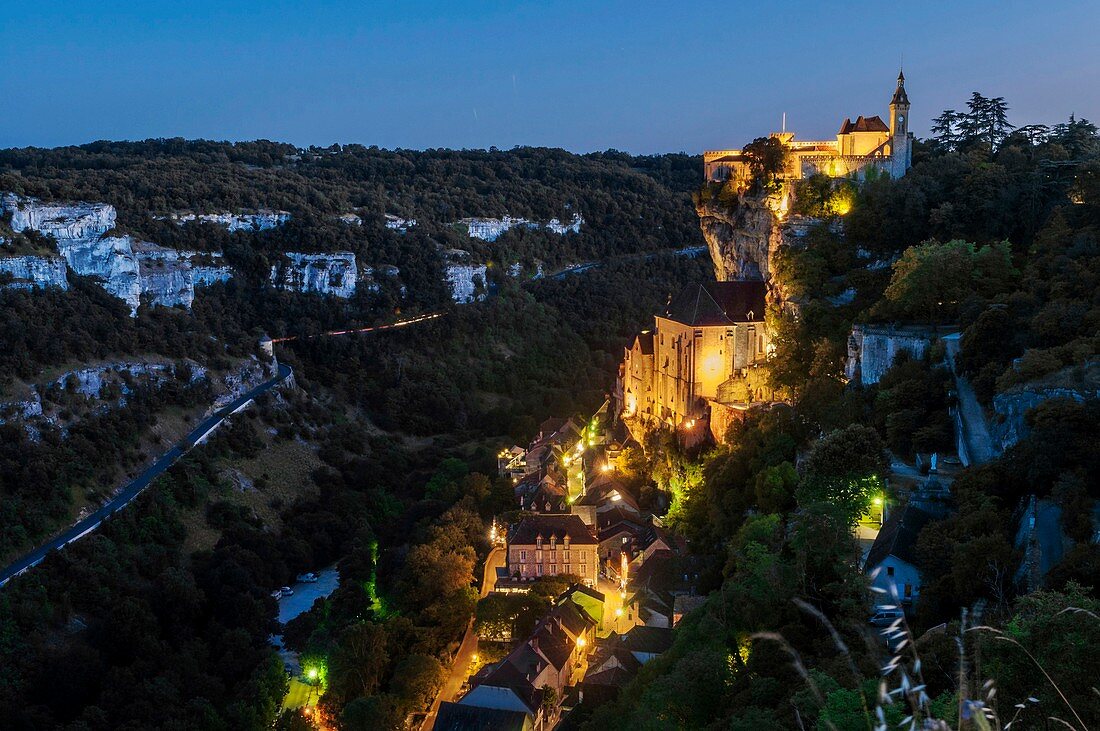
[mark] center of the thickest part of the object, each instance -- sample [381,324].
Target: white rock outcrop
[126,267]
[490,229]
[29,272]
[397,223]
[468,280]
[258,221]
[351,219]
[331,274]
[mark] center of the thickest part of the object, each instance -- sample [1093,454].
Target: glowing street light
[581,642]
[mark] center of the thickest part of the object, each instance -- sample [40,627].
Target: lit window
[553,568]
[565,568]
[523,555]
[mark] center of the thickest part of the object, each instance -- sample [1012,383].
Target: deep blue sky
[639,76]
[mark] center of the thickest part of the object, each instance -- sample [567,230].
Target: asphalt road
[461,666]
[137,485]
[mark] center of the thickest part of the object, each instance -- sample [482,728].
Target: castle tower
[901,143]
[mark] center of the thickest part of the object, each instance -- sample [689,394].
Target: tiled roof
[654,640]
[644,343]
[864,124]
[457,717]
[718,303]
[898,536]
[558,526]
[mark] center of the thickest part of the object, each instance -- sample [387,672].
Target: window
[582,556]
[908,591]
[523,555]
[580,570]
[565,568]
[553,569]
[538,569]
[565,555]
[889,570]
[538,556]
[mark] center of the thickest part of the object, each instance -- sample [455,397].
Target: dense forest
[161,619]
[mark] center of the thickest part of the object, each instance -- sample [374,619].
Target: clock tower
[901,142]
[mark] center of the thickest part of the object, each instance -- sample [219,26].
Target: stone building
[866,144]
[702,349]
[548,545]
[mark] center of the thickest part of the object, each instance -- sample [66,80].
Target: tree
[374,713]
[416,681]
[931,280]
[767,158]
[845,468]
[945,129]
[358,663]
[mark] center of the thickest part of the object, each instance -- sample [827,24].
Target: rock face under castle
[866,144]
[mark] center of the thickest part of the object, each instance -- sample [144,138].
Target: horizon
[432,75]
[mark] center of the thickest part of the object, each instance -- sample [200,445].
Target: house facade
[552,545]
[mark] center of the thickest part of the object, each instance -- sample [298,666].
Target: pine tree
[945,129]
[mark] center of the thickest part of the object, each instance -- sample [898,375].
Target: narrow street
[465,655]
[975,429]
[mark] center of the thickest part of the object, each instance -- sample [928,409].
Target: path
[976,439]
[460,668]
[137,485]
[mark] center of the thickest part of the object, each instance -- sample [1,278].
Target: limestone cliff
[29,272]
[1009,423]
[332,274]
[126,267]
[258,221]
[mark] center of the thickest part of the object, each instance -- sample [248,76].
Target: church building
[702,350]
[866,144]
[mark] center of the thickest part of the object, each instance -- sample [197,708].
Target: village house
[893,555]
[549,545]
[543,666]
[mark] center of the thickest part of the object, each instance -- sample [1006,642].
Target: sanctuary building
[866,144]
[704,350]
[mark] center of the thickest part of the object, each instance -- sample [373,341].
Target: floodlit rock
[63,221]
[166,275]
[331,274]
[126,267]
[29,272]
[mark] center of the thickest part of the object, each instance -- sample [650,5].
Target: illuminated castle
[865,144]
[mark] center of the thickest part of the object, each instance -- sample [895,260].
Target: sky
[640,76]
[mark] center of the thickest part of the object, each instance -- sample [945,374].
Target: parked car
[308,578]
[277,594]
[884,617]
[287,591]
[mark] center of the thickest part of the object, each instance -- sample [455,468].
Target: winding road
[137,485]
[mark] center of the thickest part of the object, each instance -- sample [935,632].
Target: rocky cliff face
[28,272]
[126,267]
[490,229]
[743,239]
[1009,423]
[465,281]
[332,274]
[258,221]
[872,349]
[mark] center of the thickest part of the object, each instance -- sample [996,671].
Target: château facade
[703,351]
[866,144]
